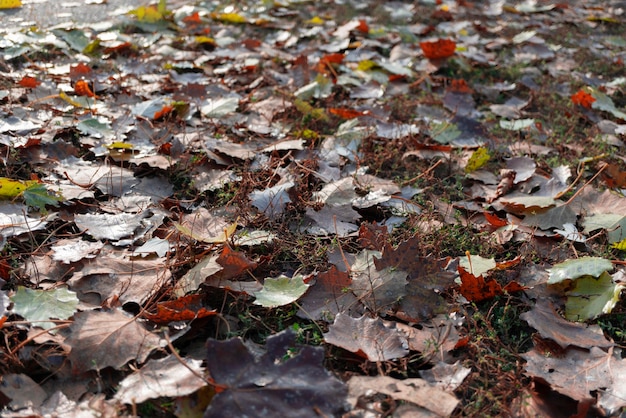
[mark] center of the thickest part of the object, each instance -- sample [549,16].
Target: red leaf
[29,82]
[346,113]
[476,289]
[166,110]
[79,71]
[460,86]
[614,176]
[193,19]
[504,265]
[373,236]
[336,58]
[396,77]
[121,49]
[441,48]
[583,99]
[165,149]
[251,44]
[235,263]
[363,26]
[82,89]
[186,308]
[494,220]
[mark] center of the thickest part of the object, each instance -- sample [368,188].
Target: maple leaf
[438,49]
[185,308]
[328,296]
[582,98]
[108,339]
[278,382]
[372,339]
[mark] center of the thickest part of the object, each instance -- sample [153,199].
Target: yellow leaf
[478,159]
[366,65]
[68,99]
[315,21]
[204,40]
[229,17]
[13,188]
[10,4]
[120,145]
[620,245]
[149,14]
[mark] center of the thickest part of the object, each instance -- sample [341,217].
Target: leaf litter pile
[356,208]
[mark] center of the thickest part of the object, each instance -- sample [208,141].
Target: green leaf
[96,128]
[573,269]
[592,297]
[37,196]
[444,132]
[281,291]
[516,125]
[41,305]
[476,264]
[604,102]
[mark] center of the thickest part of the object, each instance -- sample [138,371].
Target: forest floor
[355,208]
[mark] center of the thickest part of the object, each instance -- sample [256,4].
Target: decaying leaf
[372,339]
[108,339]
[161,378]
[277,382]
[418,391]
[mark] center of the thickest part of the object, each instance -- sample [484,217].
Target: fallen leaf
[592,297]
[372,339]
[417,391]
[582,98]
[328,296]
[544,318]
[280,291]
[438,49]
[278,382]
[166,377]
[108,339]
[186,308]
[573,269]
[38,306]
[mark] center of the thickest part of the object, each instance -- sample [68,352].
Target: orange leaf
[504,265]
[165,111]
[2,321]
[186,308]
[396,77]
[28,81]
[235,263]
[165,149]
[460,86]
[80,70]
[614,176]
[82,89]
[193,19]
[476,289]
[583,99]
[336,58]
[123,48]
[363,26]
[346,113]
[494,220]
[441,48]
